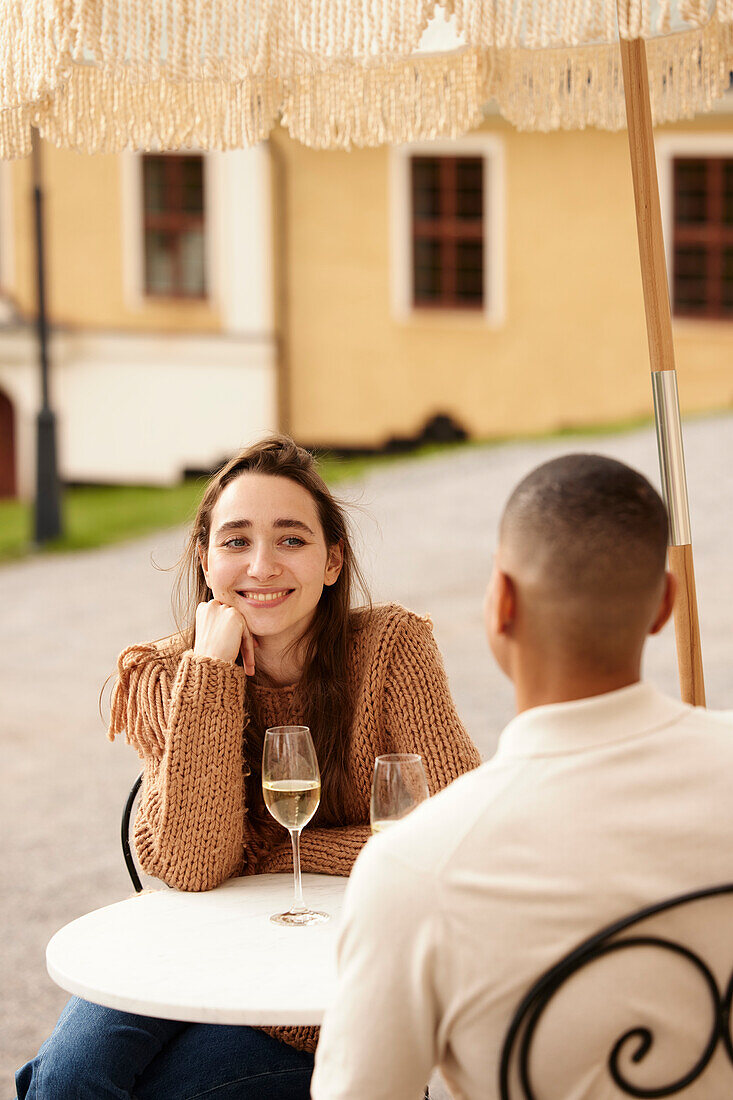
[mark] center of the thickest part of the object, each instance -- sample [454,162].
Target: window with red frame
[173,200]
[702,279]
[448,232]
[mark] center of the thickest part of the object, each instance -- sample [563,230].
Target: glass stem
[298,904]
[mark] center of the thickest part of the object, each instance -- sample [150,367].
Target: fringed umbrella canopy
[102,75]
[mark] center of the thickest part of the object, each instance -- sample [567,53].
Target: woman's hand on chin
[222,632]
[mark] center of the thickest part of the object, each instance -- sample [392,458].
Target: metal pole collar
[671,455]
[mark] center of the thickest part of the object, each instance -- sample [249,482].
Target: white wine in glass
[291,786]
[398,786]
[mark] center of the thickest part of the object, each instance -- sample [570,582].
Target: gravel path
[425,530]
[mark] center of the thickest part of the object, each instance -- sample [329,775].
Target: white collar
[557,728]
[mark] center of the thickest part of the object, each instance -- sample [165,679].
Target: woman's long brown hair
[325,686]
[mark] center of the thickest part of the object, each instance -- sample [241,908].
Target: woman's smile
[265,597]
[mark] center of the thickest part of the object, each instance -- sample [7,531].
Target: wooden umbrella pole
[664,375]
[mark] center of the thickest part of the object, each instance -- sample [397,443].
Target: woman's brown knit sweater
[187,715]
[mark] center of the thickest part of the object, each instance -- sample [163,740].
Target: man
[603,796]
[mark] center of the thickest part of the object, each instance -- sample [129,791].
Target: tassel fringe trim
[80,82]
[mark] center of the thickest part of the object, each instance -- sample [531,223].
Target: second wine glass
[291,786]
[398,786]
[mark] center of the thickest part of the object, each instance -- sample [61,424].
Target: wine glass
[291,785]
[398,785]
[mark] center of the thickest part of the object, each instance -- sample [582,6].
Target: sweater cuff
[219,682]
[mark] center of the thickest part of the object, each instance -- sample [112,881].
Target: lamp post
[47,518]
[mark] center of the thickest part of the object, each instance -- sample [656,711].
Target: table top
[212,957]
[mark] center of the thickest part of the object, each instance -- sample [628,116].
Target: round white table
[213,957]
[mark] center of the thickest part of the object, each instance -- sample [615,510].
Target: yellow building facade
[567,345]
[309,322]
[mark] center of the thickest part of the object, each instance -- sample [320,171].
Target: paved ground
[426,530]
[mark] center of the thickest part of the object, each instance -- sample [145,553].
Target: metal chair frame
[520,1034]
[125,836]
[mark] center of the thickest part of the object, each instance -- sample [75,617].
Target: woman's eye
[235,544]
[293,540]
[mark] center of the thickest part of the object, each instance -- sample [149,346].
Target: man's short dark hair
[597,525]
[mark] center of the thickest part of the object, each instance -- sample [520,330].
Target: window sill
[175,299]
[427,317]
[694,326]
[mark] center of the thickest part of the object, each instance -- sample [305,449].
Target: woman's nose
[263,563]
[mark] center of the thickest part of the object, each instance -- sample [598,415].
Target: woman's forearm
[189,831]
[326,850]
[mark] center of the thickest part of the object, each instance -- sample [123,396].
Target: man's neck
[563,685]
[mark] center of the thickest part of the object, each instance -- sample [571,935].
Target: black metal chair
[515,1073]
[125,836]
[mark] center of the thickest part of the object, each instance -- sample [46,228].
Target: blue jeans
[98,1053]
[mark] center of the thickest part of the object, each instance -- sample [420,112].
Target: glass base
[300,917]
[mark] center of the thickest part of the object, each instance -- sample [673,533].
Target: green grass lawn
[96,515]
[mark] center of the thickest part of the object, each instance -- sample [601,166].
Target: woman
[271,639]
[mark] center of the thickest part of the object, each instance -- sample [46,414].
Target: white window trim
[133,252]
[491,148]
[669,146]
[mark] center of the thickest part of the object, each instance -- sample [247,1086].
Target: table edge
[243,1017]
[199,1015]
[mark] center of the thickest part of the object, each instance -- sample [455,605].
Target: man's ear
[504,603]
[666,605]
[334,563]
